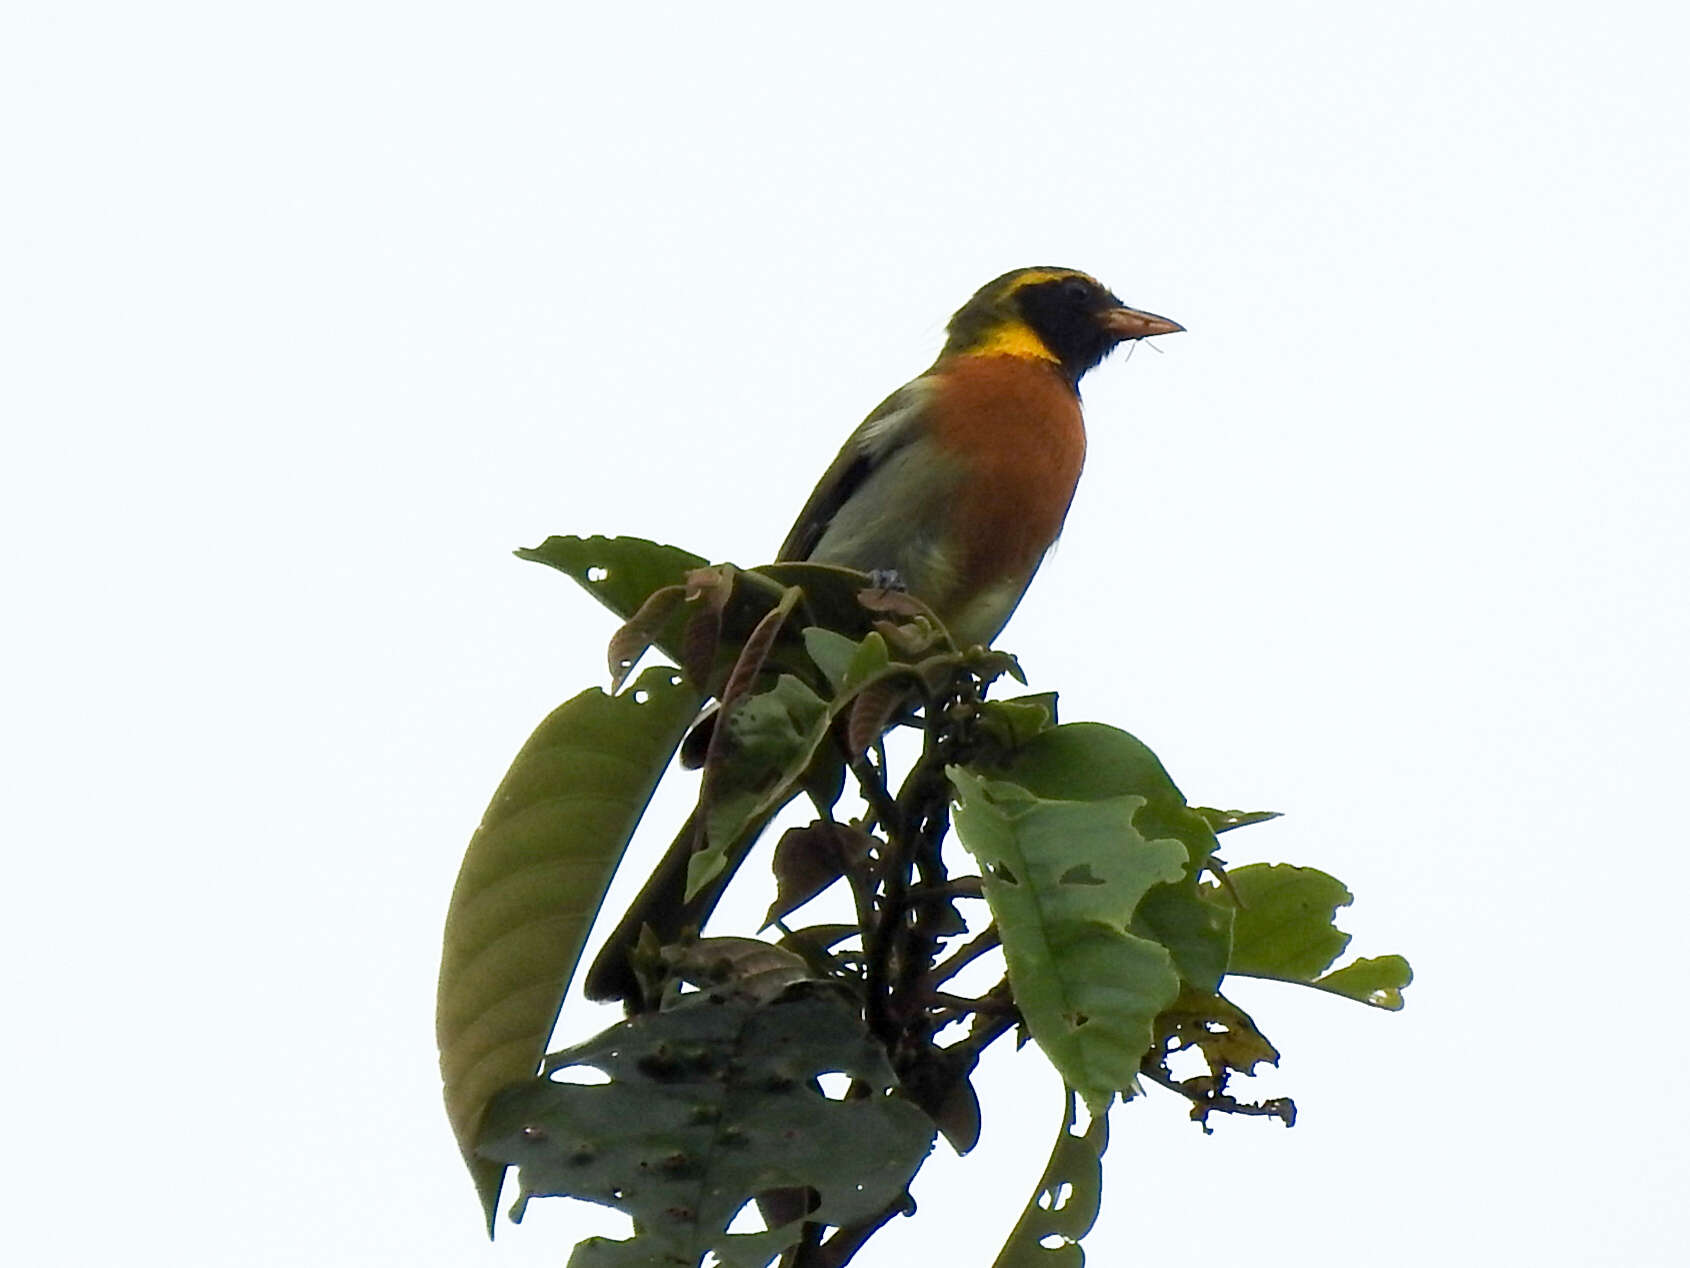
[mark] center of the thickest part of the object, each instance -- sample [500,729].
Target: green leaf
[623,573]
[767,741]
[1226,820]
[847,664]
[709,1105]
[620,572]
[1013,724]
[831,652]
[1285,931]
[870,661]
[1087,761]
[1062,879]
[1284,927]
[1196,930]
[531,883]
[1065,1205]
[1378,981]
[1046,700]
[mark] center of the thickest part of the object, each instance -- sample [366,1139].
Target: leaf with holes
[709,1105]
[532,881]
[1226,1036]
[622,573]
[1088,761]
[1063,879]
[640,631]
[1065,1205]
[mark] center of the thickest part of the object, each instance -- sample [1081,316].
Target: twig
[971,951]
[871,779]
[988,1028]
[956,887]
[962,1003]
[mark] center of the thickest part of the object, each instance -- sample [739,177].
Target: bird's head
[1062,316]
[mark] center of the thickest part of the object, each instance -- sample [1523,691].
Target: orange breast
[1014,423]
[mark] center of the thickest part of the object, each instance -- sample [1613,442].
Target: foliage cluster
[806,1076]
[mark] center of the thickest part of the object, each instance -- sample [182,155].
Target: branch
[971,951]
[960,1004]
[988,1027]
[837,1250]
[957,887]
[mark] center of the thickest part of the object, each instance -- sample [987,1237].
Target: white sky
[313,312]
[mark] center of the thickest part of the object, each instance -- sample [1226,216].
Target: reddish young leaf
[809,859]
[639,632]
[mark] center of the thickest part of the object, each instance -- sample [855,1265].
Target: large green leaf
[531,883]
[1065,1205]
[708,1106]
[1063,879]
[1089,761]
[1285,930]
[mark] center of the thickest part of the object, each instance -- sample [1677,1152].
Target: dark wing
[895,423]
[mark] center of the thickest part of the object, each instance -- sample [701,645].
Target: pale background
[313,312]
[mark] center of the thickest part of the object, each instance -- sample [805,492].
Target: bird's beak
[1129,323]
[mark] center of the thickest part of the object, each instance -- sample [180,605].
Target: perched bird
[959,481]
[956,486]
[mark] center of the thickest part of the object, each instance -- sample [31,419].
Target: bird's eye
[1076,290]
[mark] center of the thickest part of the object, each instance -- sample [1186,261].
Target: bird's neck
[1008,338]
[1013,339]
